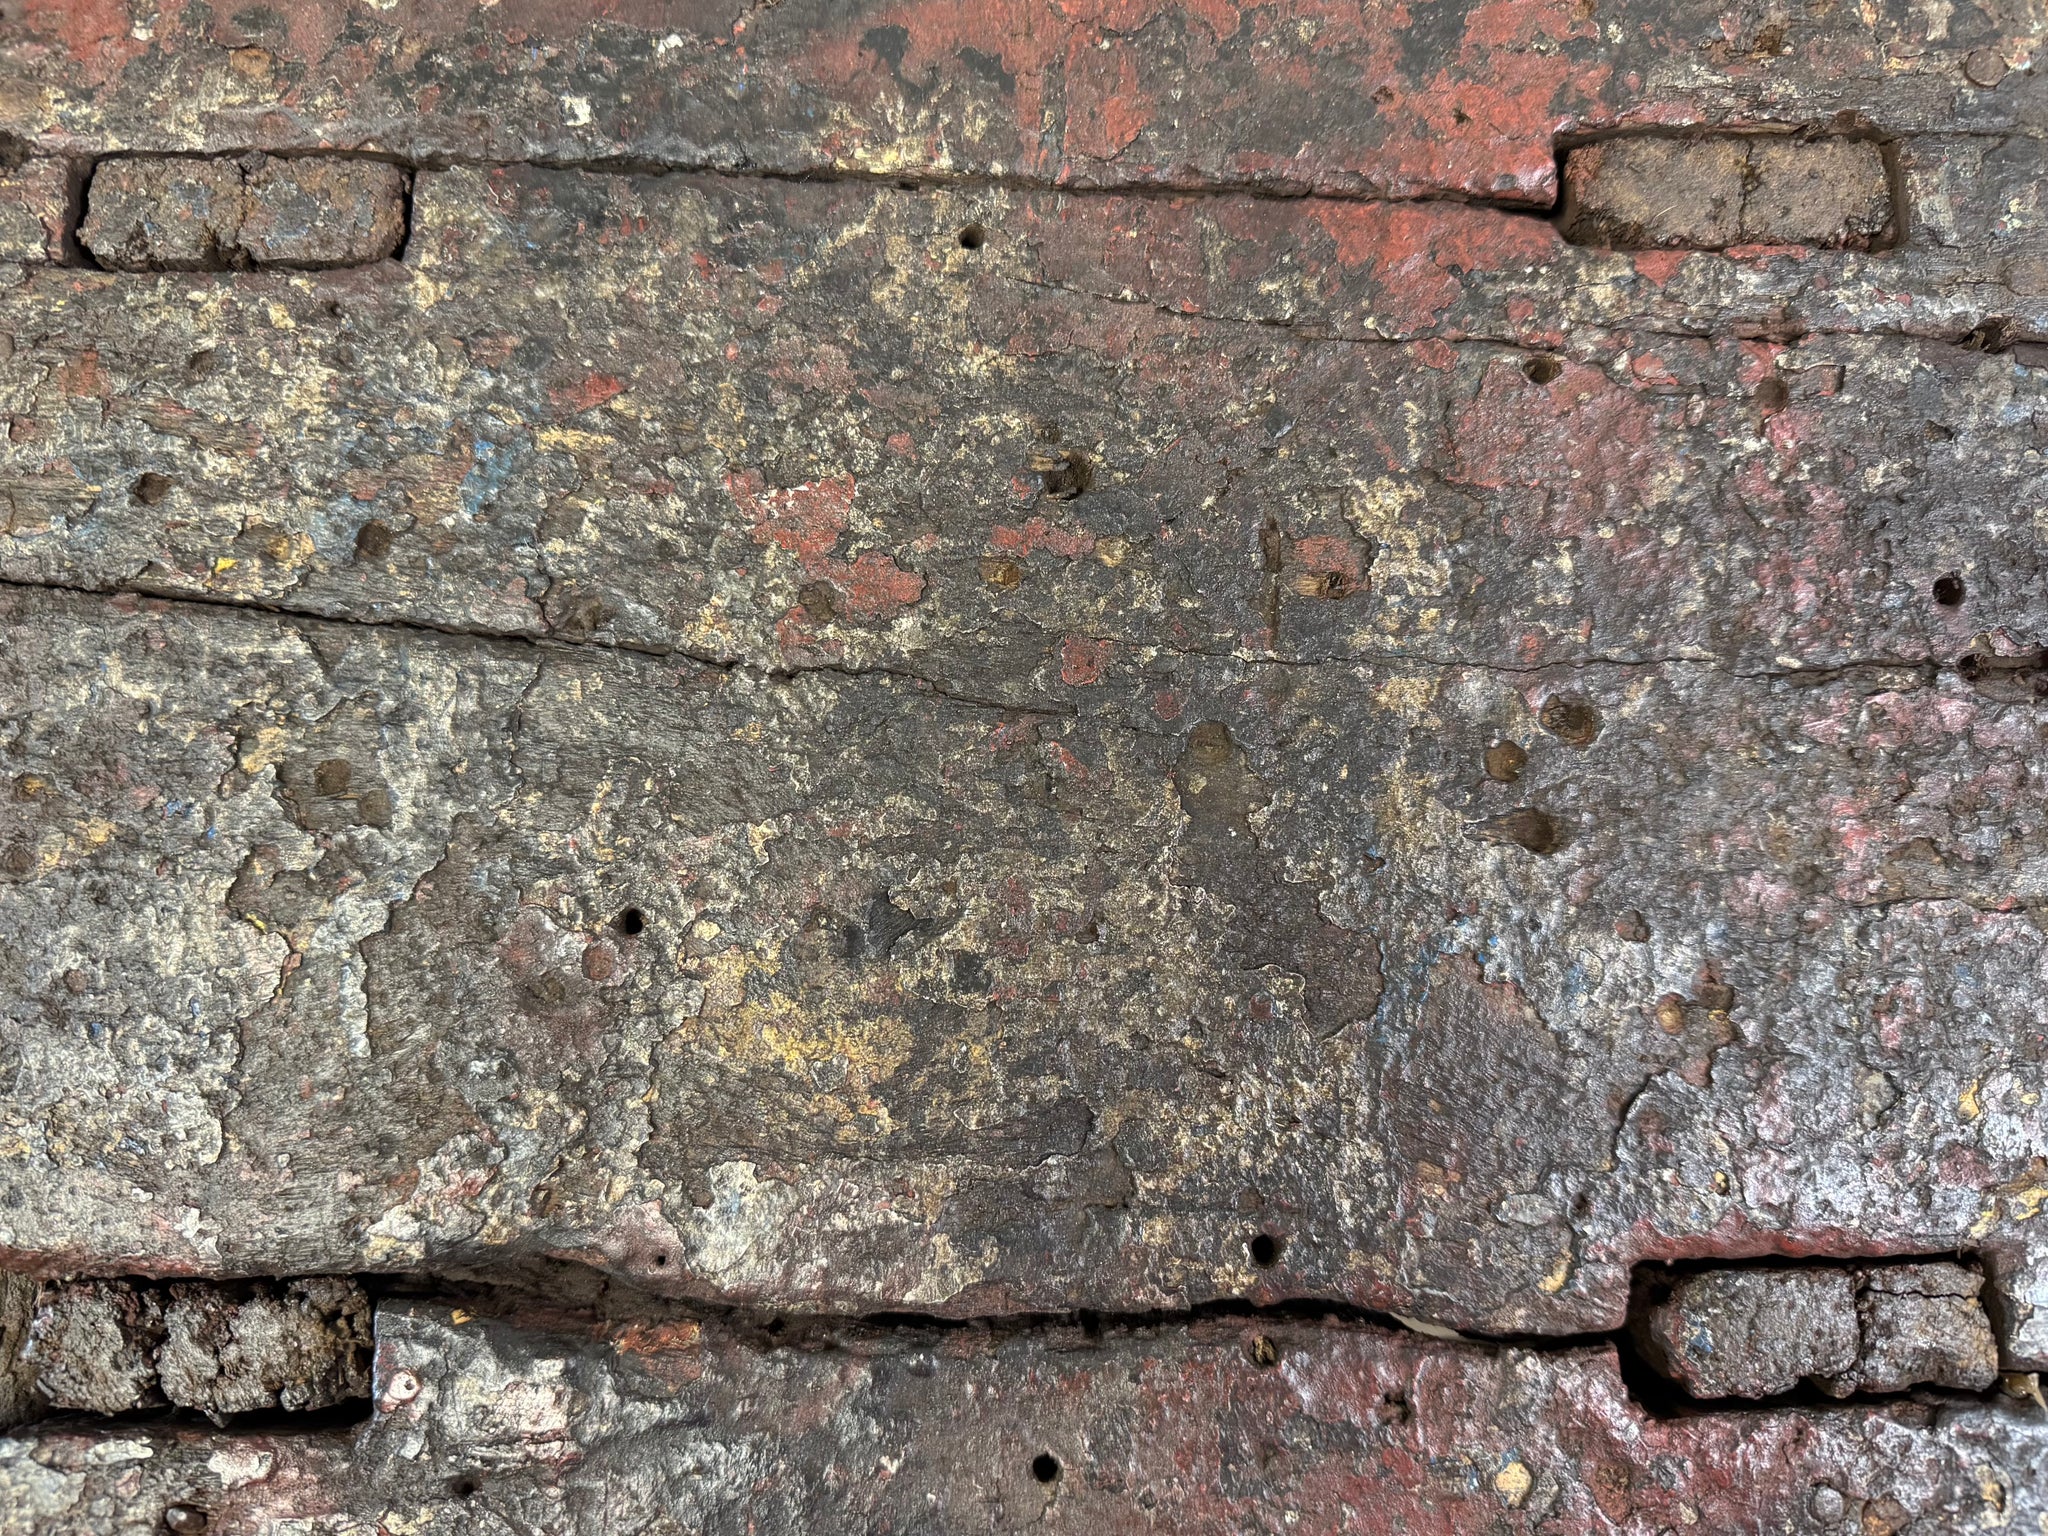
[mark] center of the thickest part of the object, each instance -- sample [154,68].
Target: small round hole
[630,921]
[973,238]
[1264,1249]
[1045,1467]
[1542,369]
[1949,590]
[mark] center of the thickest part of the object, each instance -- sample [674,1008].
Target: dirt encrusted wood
[857,767]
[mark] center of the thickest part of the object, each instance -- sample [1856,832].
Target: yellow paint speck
[570,438]
[1513,1482]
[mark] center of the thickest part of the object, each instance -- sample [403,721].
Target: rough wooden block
[1830,193]
[113,1347]
[93,1346]
[315,212]
[1646,193]
[1708,192]
[1752,1332]
[1761,1331]
[149,213]
[1924,1323]
[157,213]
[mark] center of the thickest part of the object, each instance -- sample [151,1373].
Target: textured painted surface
[1412,100]
[804,425]
[1221,1427]
[1172,716]
[946,1006]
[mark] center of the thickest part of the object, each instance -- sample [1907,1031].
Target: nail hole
[1045,1467]
[1571,720]
[1542,369]
[630,921]
[1526,827]
[1949,590]
[152,488]
[973,237]
[1505,761]
[1264,1249]
[1067,475]
[464,1487]
[1262,1351]
[1209,743]
[373,540]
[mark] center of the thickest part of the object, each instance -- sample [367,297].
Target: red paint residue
[808,521]
[80,377]
[1658,266]
[96,33]
[873,586]
[1107,107]
[1070,543]
[587,394]
[1582,447]
[1419,254]
[1083,659]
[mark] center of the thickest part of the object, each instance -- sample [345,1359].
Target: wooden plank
[486,1422]
[924,1004]
[801,425]
[1461,98]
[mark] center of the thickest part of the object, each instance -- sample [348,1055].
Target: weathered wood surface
[1225,1426]
[1161,693]
[802,425]
[1300,94]
[951,1007]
